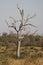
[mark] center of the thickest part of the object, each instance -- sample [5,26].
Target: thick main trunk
[18,49]
[18,46]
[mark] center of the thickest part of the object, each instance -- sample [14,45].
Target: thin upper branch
[21,12]
[28,18]
[13,19]
[30,25]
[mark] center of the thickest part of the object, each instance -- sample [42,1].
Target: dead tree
[22,26]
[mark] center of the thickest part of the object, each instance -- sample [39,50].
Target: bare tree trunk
[18,47]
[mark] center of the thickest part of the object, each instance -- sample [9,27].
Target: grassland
[29,56]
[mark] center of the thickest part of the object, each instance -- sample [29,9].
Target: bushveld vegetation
[31,50]
[18,49]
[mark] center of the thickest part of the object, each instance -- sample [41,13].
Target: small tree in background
[23,24]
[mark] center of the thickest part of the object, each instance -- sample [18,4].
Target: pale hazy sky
[9,8]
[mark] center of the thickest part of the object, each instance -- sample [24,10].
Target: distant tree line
[28,40]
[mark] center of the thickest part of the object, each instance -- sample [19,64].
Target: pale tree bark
[18,44]
[18,49]
[23,24]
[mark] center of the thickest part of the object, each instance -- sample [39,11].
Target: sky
[31,7]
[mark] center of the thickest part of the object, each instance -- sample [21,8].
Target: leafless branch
[34,32]
[12,26]
[30,25]
[21,12]
[13,19]
[32,16]
[7,23]
[28,18]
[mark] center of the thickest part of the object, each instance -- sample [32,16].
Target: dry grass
[29,56]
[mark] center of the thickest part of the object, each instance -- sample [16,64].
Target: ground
[29,56]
